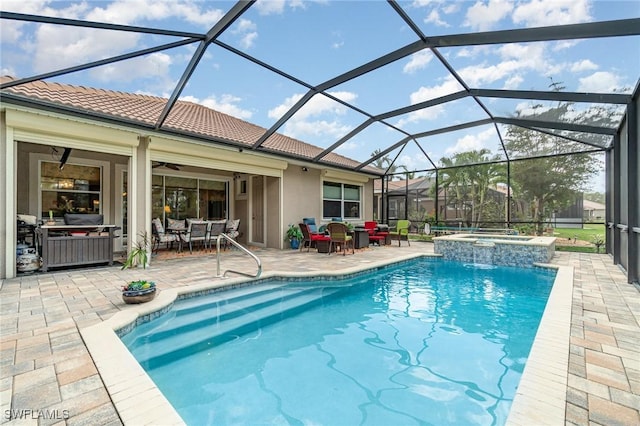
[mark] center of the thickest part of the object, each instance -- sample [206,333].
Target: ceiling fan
[171,166]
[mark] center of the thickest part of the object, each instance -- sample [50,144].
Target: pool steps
[194,326]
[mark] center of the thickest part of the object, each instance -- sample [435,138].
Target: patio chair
[233,229]
[160,236]
[311,221]
[309,238]
[196,233]
[375,235]
[216,227]
[339,235]
[402,231]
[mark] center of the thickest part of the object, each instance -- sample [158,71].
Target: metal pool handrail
[240,247]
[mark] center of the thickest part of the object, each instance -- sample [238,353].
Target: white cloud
[517,60]
[483,16]
[541,13]
[451,7]
[276,7]
[225,103]
[53,47]
[245,30]
[450,85]
[151,66]
[525,109]
[418,61]
[8,71]
[339,39]
[270,7]
[310,120]
[434,18]
[472,142]
[348,147]
[513,82]
[58,47]
[413,162]
[584,65]
[126,12]
[600,82]
[561,45]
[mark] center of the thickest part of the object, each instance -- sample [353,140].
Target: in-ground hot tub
[496,249]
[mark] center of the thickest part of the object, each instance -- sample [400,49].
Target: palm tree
[384,163]
[471,183]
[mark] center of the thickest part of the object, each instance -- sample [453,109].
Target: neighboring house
[200,164]
[413,198]
[593,211]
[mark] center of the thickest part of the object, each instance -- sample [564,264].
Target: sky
[315,41]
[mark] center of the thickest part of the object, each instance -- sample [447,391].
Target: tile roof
[187,118]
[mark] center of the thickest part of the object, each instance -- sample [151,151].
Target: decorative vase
[138,296]
[295,243]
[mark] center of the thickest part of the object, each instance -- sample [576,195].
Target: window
[397,208]
[74,189]
[340,200]
[182,197]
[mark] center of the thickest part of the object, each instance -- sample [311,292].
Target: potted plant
[139,254]
[51,220]
[294,235]
[138,291]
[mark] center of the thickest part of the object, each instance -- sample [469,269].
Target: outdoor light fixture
[304,169]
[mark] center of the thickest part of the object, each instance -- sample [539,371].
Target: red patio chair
[309,237]
[374,234]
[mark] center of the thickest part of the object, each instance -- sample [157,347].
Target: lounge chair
[310,238]
[402,231]
[338,233]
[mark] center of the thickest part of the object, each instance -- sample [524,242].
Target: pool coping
[503,239]
[544,379]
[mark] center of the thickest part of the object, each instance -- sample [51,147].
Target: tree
[550,181]
[384,163]
[469,181]
[596,197]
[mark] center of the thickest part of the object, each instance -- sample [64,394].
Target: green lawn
[584,234]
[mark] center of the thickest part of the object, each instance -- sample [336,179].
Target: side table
[360,238]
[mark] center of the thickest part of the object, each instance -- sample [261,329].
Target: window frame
[35,190]
[342,199]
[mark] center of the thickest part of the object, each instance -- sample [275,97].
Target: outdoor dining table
[180,232]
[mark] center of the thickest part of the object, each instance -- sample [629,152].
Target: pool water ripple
[429,342]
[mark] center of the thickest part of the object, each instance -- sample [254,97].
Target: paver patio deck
[49,377]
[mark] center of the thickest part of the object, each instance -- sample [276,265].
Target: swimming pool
[428,341]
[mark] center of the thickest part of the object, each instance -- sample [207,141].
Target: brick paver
[45,365]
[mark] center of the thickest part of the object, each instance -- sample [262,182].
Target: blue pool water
[426,342]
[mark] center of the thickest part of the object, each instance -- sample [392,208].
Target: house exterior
[593,211]
[75,149]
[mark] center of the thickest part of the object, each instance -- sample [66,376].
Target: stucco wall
[303,195]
